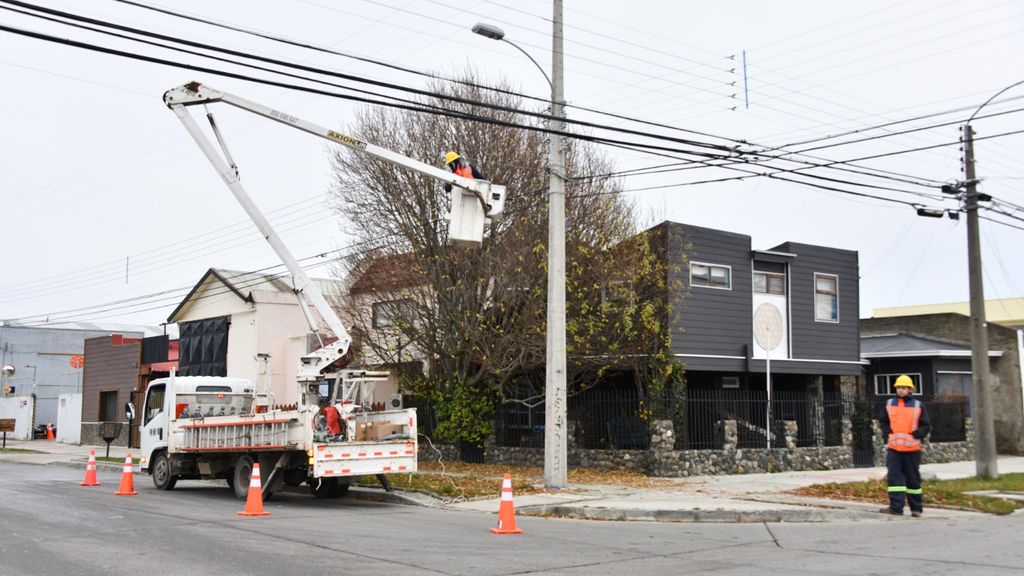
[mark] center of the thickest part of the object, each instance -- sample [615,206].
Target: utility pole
[555,425]
[984,431]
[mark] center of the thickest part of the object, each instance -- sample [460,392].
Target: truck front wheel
[163,478]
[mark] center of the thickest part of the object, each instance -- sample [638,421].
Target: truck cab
[193,395]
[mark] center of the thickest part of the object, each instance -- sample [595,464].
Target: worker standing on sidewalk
[905,424]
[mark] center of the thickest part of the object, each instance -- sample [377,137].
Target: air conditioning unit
[395,403]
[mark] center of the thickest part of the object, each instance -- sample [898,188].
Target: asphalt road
[51,525]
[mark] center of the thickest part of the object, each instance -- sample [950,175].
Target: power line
[733,149]
[148,299]
[545,100]
[413,107]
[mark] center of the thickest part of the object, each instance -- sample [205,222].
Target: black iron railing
[610,419]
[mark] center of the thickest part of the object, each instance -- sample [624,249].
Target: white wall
[20,408]
[69,418]
[280,330]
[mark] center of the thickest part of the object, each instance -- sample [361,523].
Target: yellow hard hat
[451,156]
[904,381]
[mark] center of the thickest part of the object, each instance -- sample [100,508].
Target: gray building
[724,281]
[41,356]
[935,350]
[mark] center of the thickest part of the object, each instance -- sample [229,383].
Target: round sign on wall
[77,361]
[768,326]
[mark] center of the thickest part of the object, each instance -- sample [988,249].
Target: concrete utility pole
[984,431]
[555,425]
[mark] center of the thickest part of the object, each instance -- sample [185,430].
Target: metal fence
[620,419]
[948,419]
[426,415]
[599,420]
[703,414]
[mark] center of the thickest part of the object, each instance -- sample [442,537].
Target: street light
[495,33]
[985,436]
[555,426]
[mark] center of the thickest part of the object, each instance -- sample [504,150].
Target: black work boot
[888,510]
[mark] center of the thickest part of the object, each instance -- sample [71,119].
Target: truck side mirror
[129,411]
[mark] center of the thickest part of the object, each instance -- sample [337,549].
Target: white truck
[206,427]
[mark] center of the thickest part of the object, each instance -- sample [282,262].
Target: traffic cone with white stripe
[90,471]
[254,501]
[506,511]
[127,487]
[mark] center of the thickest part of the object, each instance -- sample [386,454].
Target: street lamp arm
[994,96]
[527,54]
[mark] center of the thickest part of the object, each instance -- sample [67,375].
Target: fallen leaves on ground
[461,479]
[940,493]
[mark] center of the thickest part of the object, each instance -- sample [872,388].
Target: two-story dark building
[723,281]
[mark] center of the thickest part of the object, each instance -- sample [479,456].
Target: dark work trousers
[904,479]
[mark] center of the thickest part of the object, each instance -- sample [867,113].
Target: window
[826,298]
[387,314]
[768,283]
[730,381]
[884,382]
[710,275]
[954,384]
[108,407]
[154,403]
[954,387]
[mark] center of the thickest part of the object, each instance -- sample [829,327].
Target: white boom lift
[212,427]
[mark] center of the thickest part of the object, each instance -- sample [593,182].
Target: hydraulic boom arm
[194,93]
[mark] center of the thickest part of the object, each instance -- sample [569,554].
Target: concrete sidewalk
[736,498]
[52,452]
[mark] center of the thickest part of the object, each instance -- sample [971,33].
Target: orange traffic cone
[49,431]
[506,511]
[127,487]
[254,501]
[90,471]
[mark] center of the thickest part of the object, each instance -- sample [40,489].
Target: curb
[106,466]
[693,516]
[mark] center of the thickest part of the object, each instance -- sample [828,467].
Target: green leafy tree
[475,317]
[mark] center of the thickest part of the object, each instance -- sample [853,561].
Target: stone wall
[931,452]
[91,435]
[664,461]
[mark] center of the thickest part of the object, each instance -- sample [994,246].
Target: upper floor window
[769,283]
[710,275]
[826,298]
[389,313]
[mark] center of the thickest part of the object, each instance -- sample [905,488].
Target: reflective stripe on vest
[904,416]
[464,170]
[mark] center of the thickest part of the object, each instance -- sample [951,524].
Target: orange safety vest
[904,415]
[464,170]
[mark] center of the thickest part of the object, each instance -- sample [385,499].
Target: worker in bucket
[905,424]
[460,166]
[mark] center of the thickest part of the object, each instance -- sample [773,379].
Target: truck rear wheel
[163,479]
[241,473]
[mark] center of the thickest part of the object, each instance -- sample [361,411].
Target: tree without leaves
[478,315]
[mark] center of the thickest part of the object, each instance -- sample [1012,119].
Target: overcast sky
[110,212]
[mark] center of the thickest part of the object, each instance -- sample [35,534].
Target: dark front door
[863,447]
